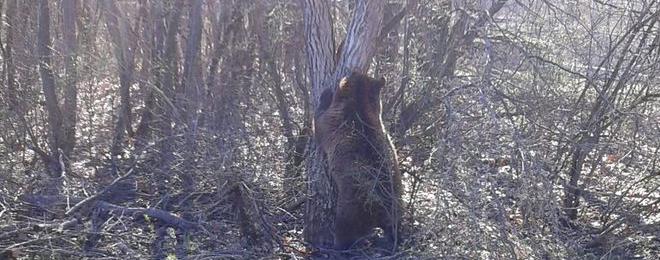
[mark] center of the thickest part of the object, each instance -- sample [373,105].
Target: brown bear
[361,160]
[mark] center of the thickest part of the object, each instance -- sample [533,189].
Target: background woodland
[181,128]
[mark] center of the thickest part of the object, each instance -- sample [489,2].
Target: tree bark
[356,55]
[9,67]
[118,27]
[192,87]
[319,45]
[54,115]
[360,43]
[69,16]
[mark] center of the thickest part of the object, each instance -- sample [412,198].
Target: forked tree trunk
[325,72]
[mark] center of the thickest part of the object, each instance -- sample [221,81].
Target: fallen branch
[91,199]
[59,226]
[164,216]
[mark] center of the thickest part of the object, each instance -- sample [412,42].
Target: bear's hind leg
[351,225]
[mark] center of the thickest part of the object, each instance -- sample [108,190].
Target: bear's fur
[361,160]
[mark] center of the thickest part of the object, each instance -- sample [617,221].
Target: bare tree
[119,30]
[69,32]
[192,88]
[165,70]
[8,65]
[53,160]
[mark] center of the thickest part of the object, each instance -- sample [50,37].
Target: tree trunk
[222,24]
[143,130]
[164,71]
[54,115]
[355,55]
[69,15]
[118,28]
[191,86]
[9,67]
[320,46]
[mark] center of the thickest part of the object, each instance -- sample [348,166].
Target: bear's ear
[344,86]
[324,101]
